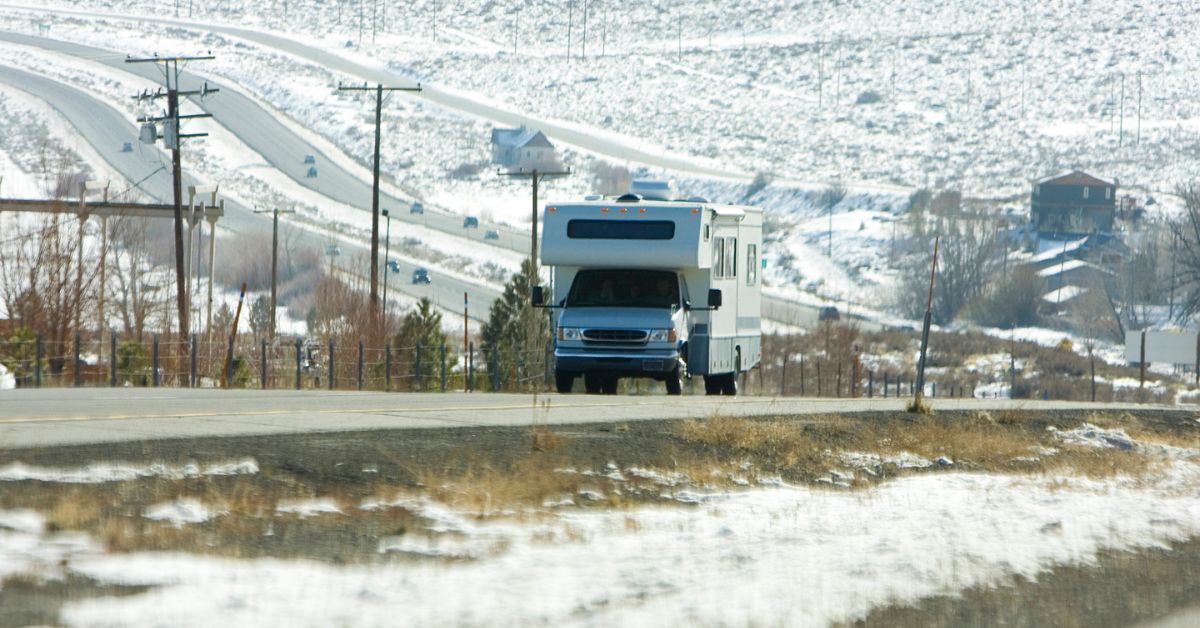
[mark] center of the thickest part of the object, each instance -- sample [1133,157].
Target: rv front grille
[614,335]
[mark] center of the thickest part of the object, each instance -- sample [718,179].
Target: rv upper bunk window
[621,229]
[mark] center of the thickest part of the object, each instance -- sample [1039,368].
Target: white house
[523,148]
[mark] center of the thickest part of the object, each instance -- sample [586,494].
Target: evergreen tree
[516,335]
[422,326]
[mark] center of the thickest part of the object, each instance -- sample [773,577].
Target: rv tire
[674,384]
[593,384]
[712,384]
[564,381]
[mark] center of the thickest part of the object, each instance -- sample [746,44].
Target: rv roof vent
[593,197]
[697,199]
[654,189]
[628,198]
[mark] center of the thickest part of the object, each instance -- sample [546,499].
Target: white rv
[664,289]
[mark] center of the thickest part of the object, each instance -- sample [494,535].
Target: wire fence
[789,368]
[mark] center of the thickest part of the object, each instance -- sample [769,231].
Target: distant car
[127,147]
[416,208]
[312,172]
[470,222]
[394,265]
[309,159]
[491,234]
[421,275]
[828,313]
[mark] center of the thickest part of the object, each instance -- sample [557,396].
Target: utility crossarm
[141,210]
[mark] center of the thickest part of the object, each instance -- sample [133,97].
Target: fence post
[819,391]
[192,371]
[546,367]
[263,363]
[387,367]
[112,359]
[494,369]
[299,348]
[885,384]
[418,381]
[332,370]
[37,364]
[837,383]
[801,374]
[78,375]
[470,374]
[933,393]
[870,384]
[154,359]
[360,364]
[443,367]
[228,379]
[783,375]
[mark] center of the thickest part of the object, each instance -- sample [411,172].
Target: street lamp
[387,260]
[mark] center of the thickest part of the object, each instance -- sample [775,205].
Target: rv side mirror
[714,298]
[538,297]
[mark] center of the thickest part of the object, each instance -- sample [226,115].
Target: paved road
[106,129]
[47,417]
[262,131]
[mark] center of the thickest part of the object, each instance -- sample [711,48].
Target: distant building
[523,148]
[1073,204]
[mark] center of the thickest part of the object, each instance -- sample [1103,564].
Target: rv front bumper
[628,364]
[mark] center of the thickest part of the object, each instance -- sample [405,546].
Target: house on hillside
[523,148]
[1073,204]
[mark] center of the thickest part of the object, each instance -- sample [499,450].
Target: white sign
[1163,347]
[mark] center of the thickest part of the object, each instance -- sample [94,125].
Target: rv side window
[718,258]
[751,264]
[621,229]
[731,257]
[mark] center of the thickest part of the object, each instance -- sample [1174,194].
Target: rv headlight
[663,335]
[570,333]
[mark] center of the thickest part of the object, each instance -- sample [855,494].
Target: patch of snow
[308,507]
[180,512]
[801,557]
[101,472]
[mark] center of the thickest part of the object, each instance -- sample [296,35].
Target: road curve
[106,129]
[72,416]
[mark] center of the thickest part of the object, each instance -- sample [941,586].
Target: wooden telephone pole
[172,138]
[379,90]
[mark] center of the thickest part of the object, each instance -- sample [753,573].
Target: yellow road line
[384,410]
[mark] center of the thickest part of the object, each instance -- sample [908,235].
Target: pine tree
[516,335]
[421,327]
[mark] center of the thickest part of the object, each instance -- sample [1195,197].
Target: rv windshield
[624,288]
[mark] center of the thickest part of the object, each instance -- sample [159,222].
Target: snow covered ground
[779,555]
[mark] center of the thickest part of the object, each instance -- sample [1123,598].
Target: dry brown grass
[545,439]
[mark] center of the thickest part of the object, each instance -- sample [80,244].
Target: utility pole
[1138,142]
[172,139]
[379,89]
[570,18]
[820,77]
[920,391]
[274,257]
[583,42]
[535,175]
[387,261]
[1121,127]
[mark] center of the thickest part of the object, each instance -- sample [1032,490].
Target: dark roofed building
[1073,203]
[522,148]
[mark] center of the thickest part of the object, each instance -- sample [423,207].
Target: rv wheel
[712,384]
[564,381]
[674,385]
[593,384]
[729,384]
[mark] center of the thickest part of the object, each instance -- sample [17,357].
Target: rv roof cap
[697,199]
[593,197]
[628,198]
[654,189]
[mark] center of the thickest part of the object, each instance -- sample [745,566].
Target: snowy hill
[880,96]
